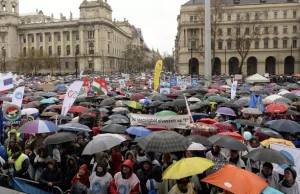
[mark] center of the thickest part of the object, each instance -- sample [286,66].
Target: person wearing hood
[40,162]
[12,134]
[131,156]
[183,185]
[289,185]
[272,178]
[141,155]
[70,171]
[99,158]
[100,179]
[51,176]
[155,183]
[125,182]
[29,152]
[236,160]
[17,164]
[82,176]
[116,162]
[144,174]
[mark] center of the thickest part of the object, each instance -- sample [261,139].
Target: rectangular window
[193,32]
[256,16]
[247,31]
[284,43]
[77,35]
[238,31]
[193,19]
[248,44]
[32,39]
[90,65]
[266,44]
[50,38]
[193,44]
[275,29]
[247,16]
[275,15]
[294,43]
[220,45]
[284,14]
[256,30]
[266,14]
[229,45]
[67,65]
[294,14]
[229,31]
[275,43]
[285,29]
[294,29]
[91,34]
[41,38]
[256,44]
[58,37]
[228,17]
[266,30]
[3,38]
[220,32]
[238,16]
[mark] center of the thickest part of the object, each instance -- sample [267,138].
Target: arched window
[91,48]
[24,51]
[50,50]
[68,50]
[77,50]
[59,50]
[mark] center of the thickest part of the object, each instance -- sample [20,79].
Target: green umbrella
[166,113]
[133,104]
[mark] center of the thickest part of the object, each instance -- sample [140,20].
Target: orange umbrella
[232,134]
[267,142]
[208,121]
[236,180]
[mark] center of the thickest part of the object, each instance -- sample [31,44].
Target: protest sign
[48,87]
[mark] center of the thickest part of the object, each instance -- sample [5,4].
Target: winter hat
[15,149]
[294,173]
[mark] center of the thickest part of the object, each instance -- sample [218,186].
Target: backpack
[152,187]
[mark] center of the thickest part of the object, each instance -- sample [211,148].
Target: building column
[82,50]
[36,43]
[27,43]
[97,40]
[62,45]
[44,44]
[53,43]
[71,44]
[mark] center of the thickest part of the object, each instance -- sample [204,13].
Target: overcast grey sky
[156,18]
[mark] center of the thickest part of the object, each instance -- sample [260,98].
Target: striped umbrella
[133,104]
[38,126]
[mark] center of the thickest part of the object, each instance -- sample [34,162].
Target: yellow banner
[157,71]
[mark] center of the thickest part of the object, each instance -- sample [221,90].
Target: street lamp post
[225,58]
[59,63]
[102,63]
[76,64]
[4,62]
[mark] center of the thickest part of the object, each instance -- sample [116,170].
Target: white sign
[6,81]
[292,153]
[233,89]
[70,97]
[122,83]
[238,77]
[229,82]
[17,97]
[267,75]
[80,75]
[165,91]
[177,121]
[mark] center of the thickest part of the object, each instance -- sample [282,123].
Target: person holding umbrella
[183,185]
[235,159]
[289,185]
[272,178]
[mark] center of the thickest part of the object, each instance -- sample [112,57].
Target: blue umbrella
[47,101]
[270,190]
[138,131]
[60,87]
[118,116]
[145,101]
[198,116]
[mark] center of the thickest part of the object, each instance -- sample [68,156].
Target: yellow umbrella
[75,119]
[267,142]
[187,167]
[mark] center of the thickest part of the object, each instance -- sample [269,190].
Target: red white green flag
[99,86]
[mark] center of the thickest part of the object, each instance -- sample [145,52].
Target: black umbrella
[246,122]
[160,97]
[227,142]
[199,139]
[269,155]
[269,132]
[283,125]
[117,121]
[108,102]
[164,142]
[229,105]
[179,103]
[114,128]
[155,103]
[291,112]
[60,117]
[59,138]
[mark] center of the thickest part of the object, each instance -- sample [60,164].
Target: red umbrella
[176,88]
[276,108]
[212,90]
[172,95]
[137,97]
[77,109]
[225,127]
[157,127]
[232,134]
[59,106]
[208,121]
[62,97]
[295,91]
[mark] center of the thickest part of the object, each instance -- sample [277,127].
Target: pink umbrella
[212,90]
[295,91]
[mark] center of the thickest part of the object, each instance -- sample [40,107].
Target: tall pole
[207,43]
[225,58]
[76,64]
[59,64]
[4,62]
[102,64]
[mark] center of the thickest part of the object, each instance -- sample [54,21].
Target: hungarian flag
[99,86]
[86,83]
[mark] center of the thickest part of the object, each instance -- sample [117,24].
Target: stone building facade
[276,50]
[95,40]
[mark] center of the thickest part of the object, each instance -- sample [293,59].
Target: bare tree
[31,61]
[134,56]
[218,10]
[247,28]
[50,62]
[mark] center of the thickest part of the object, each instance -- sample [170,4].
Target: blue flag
[173,81]
[194,82]
[259,104]
[253,100]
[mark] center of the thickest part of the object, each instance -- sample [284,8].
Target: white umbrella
[193,99]
[29,111]
[283,92]
[102,142]
[273,97]
[196,147]
[252,111]
[74,127]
